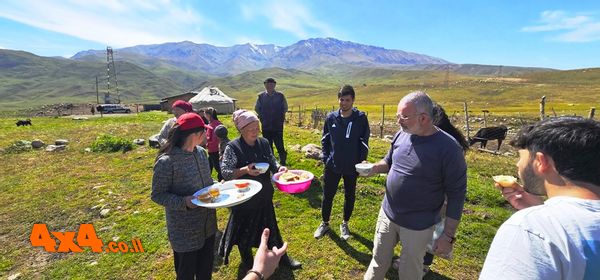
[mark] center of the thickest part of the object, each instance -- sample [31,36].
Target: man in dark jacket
[345,143]
[271,107]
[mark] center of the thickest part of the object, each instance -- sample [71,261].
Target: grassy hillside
[70,188]
[28,80]
[183,77]
[567,92]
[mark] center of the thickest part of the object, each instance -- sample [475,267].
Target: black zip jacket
[345,141]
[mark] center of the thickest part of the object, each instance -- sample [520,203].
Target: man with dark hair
[424,166]
[271,107]
[558,238]
[345,143]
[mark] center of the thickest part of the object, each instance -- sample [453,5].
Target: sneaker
[321,230]
[344,231]
[396,263]
[286,260]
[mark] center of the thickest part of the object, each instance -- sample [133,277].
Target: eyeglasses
[405,118]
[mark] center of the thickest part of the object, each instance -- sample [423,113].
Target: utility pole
[110,63]
[112,60]
[107,95]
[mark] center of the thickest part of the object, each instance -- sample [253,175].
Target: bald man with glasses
[424,165]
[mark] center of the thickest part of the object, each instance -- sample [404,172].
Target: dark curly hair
[573,143]
[441,120]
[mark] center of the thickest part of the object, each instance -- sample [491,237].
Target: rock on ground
[104,212]
[55,148]
[296,147]
[61,142]
[312,151]
[37,143]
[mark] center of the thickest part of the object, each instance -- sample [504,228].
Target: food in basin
[293,181]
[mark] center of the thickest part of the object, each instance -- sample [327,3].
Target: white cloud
[289,16]
[572,27]
[118,23]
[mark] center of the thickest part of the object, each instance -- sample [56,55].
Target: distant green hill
[28,80]
[586,76]
[567,92]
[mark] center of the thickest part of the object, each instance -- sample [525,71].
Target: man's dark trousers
[277,138]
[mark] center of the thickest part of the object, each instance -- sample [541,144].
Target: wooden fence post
[382,121]
[542,108]
[485,117]
[467,118]
[315,118]
[299,115]
[592,112]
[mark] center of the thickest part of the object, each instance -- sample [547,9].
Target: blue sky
[556,34]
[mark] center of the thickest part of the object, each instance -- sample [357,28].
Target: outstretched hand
[265,260]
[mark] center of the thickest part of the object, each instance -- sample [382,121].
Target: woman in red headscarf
[181,169]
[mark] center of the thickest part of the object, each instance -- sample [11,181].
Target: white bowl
[262,167]
[363,169]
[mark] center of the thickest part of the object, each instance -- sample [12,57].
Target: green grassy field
[66,189]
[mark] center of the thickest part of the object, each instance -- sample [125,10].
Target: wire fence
[469,120]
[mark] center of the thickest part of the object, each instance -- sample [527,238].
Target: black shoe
[289,262]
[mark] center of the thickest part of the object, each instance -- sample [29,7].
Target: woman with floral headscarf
[247,220]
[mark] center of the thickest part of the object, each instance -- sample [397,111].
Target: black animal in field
[23,122]
[489,133]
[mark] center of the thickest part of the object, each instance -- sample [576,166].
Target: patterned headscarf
[241,118]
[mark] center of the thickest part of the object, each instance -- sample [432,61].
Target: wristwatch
[260,275]
[452,238]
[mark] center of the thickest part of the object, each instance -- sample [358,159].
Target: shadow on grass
[362,258]
[365,259]
[313,194]
[282,272]
[435,276]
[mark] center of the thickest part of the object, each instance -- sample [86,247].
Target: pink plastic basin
[293,187]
